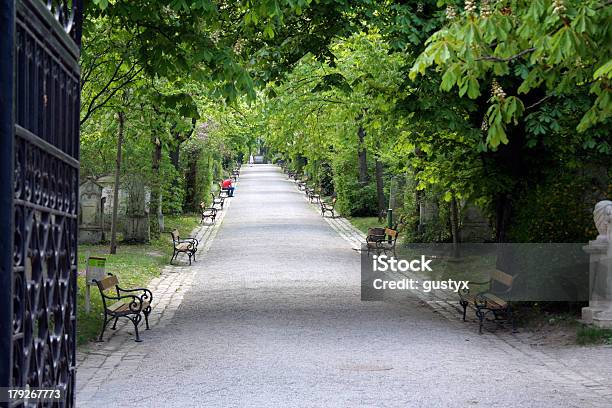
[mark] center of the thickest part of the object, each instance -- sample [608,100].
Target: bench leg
[464,304]
[512,320]
[174,254]
[115,323]
[106,321]
[189,254]
[146,313]
[136,320]
[480,315]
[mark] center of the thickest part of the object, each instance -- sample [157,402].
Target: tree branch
[497,59]
[544,99]
[92,107]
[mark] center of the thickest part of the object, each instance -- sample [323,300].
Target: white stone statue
[602,215]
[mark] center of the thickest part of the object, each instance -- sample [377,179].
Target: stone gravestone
[90,212]
[136,224]
[428,212]
[474,226]
[108,190]
[599,311]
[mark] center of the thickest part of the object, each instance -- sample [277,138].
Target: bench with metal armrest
[131,304]
[302,184]
[187,245]
[328,207]
[492,301]
[223,192]
[218,200]
[381,240]
[209,213]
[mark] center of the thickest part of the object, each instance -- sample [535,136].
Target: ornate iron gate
[39,181]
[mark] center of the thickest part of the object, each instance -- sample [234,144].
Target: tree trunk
[179,138]
[154,203]
[454,221]
[380,194]
[362,155]
[191,182]
[113,243]
[175,156]
[503,210]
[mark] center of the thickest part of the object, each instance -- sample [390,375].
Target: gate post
[7,30]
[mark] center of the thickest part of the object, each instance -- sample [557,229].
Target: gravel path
[274,319]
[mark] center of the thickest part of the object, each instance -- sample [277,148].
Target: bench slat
[108,282]
[495,301]
[124,306]
[502,277]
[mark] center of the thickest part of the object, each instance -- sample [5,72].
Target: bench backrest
[391,233]
[175,235]
[376,233]
[501,281]
[108,282]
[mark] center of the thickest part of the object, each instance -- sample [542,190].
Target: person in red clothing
[229,186]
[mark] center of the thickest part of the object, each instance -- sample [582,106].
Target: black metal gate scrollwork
[39,181]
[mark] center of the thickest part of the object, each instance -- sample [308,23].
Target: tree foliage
[482,102]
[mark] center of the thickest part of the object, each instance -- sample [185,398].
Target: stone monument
[136,225]
[90,212]
[474,226]
[599,311]
[428,212]
[108,190]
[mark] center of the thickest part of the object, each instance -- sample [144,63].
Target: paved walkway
[271,316]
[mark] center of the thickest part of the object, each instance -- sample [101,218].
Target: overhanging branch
[513,57]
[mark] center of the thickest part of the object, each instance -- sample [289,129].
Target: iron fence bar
[7,54]
[46,146]
[36,9]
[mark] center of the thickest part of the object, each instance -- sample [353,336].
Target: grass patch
[134,265]
[593,335]
[363,223]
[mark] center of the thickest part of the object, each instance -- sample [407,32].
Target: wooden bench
[375,235]
[328,207]
[235,173]
[188,246]
[217,200]
[312,194]
[208,213]
[301,184]
[493,301]
[223,192]
[381,240]
[132,304]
